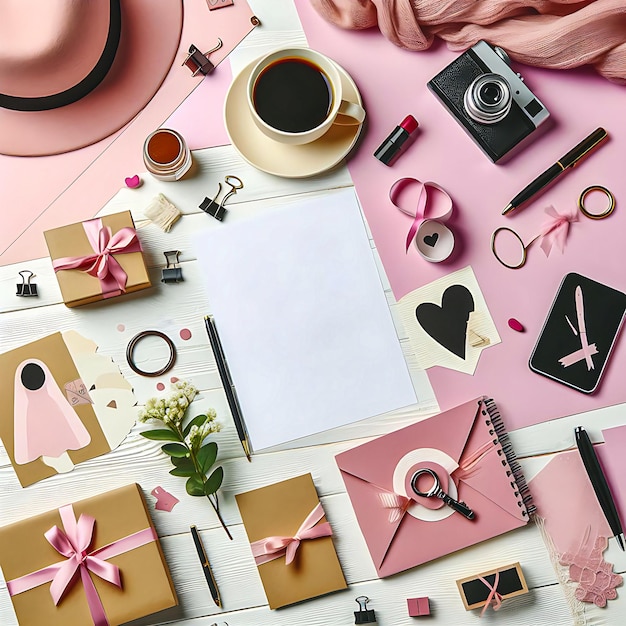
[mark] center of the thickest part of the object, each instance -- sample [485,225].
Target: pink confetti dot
[173,379]
[160,386]
[185,334]
[121,328]
[515,325]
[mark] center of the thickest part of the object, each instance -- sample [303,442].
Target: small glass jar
[166,155]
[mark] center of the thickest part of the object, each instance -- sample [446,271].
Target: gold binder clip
[218,210]
[198,62]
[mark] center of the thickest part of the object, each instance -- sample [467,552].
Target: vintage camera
[489,99]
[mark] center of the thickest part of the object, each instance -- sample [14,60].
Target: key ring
[436,486]
[560,222]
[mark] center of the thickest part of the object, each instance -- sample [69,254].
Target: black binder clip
[198,62]
[364,615]
[215,209]
[171,273]
[26,289]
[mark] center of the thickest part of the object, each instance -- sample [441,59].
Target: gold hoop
[596,216]
[493,247]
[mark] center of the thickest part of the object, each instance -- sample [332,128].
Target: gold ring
[493,247]
[136,339]
[606,212]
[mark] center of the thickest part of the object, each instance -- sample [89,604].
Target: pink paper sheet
[392,82]
[613,461]
[39,193]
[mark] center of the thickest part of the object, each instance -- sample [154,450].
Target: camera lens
[488,99]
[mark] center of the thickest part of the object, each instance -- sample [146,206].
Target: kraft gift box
[128,542]
[274,515]
[106,245]
[504,582]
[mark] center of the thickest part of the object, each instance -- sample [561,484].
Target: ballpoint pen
[565,163]
[229,387]
[599,483]
[206,567]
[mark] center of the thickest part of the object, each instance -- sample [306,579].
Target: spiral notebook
[469,450]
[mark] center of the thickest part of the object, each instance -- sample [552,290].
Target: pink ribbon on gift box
[494,598]
[73,542]
[270,548]
[102,264]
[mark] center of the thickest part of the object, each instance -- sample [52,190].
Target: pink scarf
[557,34]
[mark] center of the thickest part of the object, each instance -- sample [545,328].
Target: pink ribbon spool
[433,206]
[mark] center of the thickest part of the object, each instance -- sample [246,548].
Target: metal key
[437,492]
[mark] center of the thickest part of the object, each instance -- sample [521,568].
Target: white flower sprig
[191,457]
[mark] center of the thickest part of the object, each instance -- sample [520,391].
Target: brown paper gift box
[78,287]
[146,584]
[279,510]
[475,592]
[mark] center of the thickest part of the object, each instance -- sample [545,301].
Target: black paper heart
[431,240]
[447,324]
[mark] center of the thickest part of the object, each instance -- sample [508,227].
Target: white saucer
[282,159]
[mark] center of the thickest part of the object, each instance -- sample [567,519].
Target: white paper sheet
[303,319]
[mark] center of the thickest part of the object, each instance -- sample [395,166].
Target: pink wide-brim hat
[73,72]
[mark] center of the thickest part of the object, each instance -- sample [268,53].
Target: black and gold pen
[564,164]
[206,567]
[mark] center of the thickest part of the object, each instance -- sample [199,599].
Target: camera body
[489,100]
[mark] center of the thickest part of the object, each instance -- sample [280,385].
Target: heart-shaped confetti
[132,182]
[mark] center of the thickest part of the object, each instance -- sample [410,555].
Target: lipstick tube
[390,149]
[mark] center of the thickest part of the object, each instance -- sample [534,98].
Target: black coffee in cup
[292,95]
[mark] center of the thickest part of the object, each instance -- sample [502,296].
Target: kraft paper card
[277,513]
[448,322]
[62,403]
[124,544]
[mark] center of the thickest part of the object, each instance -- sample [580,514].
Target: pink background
[392,82]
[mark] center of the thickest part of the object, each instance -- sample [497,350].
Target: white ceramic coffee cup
[340,111]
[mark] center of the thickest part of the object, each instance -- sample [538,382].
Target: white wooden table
[140,460]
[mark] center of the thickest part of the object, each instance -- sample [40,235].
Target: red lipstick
[390,149]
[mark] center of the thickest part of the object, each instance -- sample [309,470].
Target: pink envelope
[468,448]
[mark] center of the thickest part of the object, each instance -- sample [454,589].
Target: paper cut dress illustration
[45,425]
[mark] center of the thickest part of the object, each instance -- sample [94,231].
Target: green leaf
[175,449]
[194,486]
[183,471]
[183,461]
[214,481]
[207,455]
[160,434]
[197,421]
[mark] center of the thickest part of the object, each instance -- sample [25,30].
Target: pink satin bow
[73,543]
[494,598]
[270,548]
[554,231]
[102,264]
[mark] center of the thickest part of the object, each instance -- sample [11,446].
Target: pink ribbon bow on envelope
[270,548]
[73,543]
[102,264]
[554,231]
